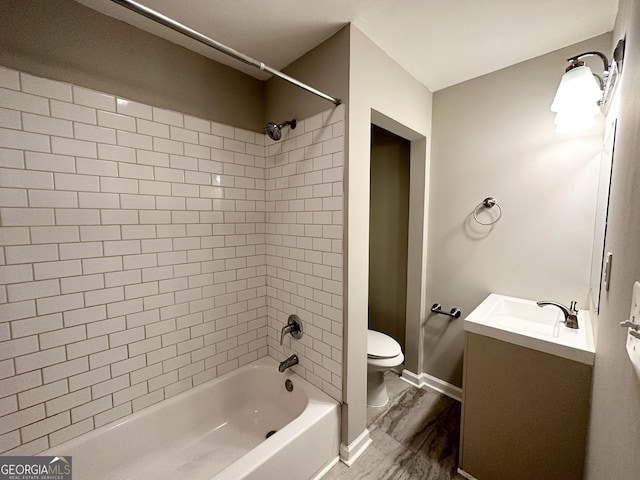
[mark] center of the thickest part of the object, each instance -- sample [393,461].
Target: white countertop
[502,317]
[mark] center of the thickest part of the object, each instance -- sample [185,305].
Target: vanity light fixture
[582,93]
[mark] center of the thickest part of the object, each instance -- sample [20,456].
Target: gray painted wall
[494,136]
[388,233]
[63,40]
[614,438]
[383,93]
[325,68]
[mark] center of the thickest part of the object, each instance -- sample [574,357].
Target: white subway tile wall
[144,252]
[304,245]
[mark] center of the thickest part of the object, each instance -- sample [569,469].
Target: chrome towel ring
[487,203]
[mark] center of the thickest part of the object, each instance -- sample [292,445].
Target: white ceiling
[439,42]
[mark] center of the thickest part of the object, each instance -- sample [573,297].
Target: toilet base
[377,395]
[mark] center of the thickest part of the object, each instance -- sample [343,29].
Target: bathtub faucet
[288,363]
[293,327]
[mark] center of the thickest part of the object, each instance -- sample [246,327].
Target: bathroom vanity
[526,392]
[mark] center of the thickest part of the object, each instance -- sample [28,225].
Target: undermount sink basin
[522,322]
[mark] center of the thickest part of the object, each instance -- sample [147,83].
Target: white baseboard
[411,378]
[326,469]
[424,379]
[350,453]
[466,475]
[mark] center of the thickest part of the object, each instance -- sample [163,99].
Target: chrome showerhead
[274,130]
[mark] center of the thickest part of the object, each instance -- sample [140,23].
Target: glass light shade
[577,87]
[568,122]
[586,109]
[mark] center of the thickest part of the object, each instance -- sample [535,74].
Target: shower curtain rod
[189,32]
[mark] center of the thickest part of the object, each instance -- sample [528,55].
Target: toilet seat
[381,346]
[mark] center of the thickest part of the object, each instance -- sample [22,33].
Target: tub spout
[288,363]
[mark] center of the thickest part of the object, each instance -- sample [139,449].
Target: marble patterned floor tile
[415,437]
[395,384]
[395,387]
[383,460]
[437,458]
[414,416]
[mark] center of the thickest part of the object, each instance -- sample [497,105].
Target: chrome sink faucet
[570,314]
[288,363]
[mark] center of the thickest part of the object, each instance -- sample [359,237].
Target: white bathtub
[217,431]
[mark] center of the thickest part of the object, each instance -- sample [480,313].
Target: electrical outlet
[633,336]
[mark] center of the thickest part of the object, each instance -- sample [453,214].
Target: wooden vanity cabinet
[524,412]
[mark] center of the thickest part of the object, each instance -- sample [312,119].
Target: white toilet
[383,353]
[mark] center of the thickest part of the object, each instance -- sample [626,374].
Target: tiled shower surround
[144,252]
[304,245]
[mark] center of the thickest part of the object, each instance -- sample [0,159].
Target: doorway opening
[389,233]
